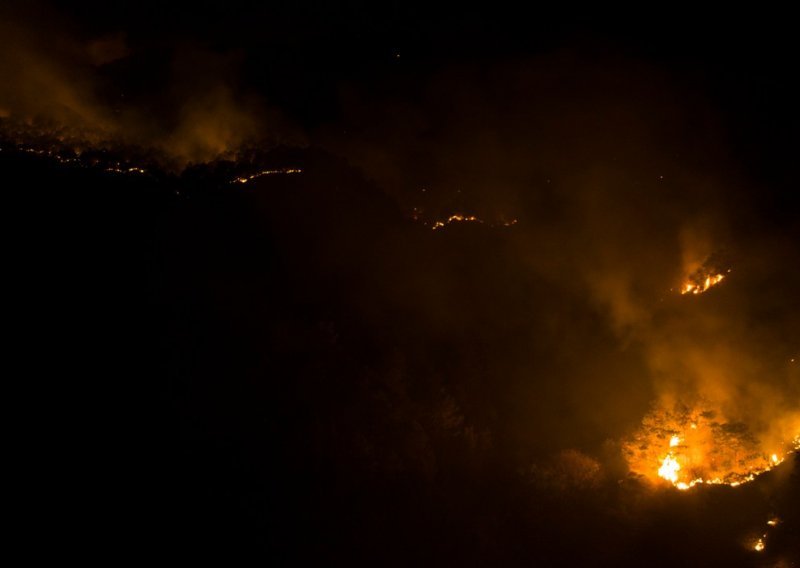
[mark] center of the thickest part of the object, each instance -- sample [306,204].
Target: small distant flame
[760,544]
[457,218]
[245,179]
[674,441]
[122,170]
[699,288]
[471,219]
[713,271]
[417,215]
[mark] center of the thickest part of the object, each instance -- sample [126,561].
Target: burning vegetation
[290,355]
[713,271]
[77,149]
[435,224]
[690,446]
[245,179]
[693,287]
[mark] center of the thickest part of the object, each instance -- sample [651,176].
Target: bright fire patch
[693,287]
[669,469]
[690,447]
[713,271]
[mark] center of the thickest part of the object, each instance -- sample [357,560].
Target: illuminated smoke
[707,449]
[55,96]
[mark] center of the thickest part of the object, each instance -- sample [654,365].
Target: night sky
[400,284]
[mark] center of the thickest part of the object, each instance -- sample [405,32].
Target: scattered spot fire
[69,157]
[759,544]
[687,447]
[70,149]
[73,149]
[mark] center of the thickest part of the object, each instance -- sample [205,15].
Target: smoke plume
[181,102]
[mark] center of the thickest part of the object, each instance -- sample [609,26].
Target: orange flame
[692,448]
[694,287]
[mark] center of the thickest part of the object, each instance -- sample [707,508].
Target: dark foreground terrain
[295,375]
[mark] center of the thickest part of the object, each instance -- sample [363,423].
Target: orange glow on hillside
[688,447]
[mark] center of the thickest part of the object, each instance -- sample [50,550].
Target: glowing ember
[773,522]
[691,447]
[759,546]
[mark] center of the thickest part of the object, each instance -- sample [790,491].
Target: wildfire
[713,271]
[689,448]
[417,215]
[107,156]
[669,469]
[760,543]
[121,170]
[695,288]
[106,151]
[245,179]
[456,219]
